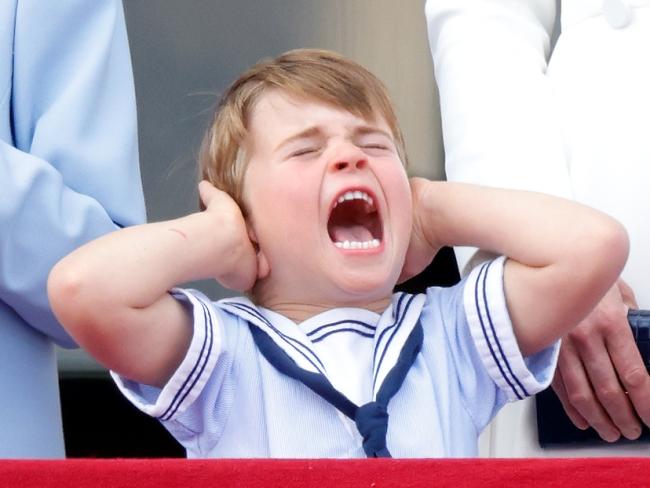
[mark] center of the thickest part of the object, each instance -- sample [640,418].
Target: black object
[640,324]
[99,422]
[443,271]
[553,425]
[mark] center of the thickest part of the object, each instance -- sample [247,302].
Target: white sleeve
[189,380]
[498,121]
[491,330]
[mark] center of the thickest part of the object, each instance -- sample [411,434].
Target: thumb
[627,294]
[207,191]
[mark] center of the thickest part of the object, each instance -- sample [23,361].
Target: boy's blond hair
[309,74]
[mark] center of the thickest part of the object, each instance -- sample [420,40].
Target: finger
[416,182]
[240,281]
[207,191]
[627,294]
[263,266]
[598,362]
[631,371]
[560,390]
[580,393]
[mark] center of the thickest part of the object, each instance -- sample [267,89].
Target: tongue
[357,233]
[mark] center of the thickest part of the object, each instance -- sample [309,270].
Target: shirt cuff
[189,379]
[491,330]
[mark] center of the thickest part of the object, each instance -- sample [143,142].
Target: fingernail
[580,425]
[632,433]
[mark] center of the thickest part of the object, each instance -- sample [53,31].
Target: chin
[366,287]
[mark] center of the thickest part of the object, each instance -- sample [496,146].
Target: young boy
[315,218]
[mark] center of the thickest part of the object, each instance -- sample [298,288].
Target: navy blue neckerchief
[371,419]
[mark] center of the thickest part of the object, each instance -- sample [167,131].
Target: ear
[263,267]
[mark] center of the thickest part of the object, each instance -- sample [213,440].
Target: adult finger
[631,371]
[597,359]
[560,390]
[581,395]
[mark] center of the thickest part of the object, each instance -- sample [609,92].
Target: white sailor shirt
[227,399]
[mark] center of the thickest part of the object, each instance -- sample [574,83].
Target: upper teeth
[354,195]
[371,244]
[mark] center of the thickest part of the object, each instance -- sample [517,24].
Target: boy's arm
[563,256]
[112,294]
[490,61]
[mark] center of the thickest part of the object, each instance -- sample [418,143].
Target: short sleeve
[189,380]
[471,349]
[490,327]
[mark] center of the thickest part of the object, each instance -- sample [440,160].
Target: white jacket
[572,121]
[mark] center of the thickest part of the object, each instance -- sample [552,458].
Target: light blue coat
[68,173]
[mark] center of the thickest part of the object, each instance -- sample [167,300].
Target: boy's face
[329,203]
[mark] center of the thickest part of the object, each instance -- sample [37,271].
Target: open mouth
[354,221]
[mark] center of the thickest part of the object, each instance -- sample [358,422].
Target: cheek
[401,201]
[281,204]
[400,187]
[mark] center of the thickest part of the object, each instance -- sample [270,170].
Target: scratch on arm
[178,232]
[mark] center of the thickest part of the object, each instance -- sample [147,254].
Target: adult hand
[601,379]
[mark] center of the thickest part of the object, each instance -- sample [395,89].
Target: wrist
[221,246]
[195,243]
[427,212]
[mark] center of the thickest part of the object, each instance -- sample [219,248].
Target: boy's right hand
[237,267]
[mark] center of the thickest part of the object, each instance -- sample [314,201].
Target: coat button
[617,12]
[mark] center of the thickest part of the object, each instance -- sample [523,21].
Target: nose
[348,158]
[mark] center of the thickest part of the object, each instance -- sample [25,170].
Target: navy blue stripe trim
[289,340]
[316,382]
[347,329]
[485,335]
[381,335]
[201,363]
[395,327]
[494,333]
[395,377]
[357,322]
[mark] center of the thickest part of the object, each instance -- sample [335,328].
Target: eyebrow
[317,131]
[308,133]
[369,129]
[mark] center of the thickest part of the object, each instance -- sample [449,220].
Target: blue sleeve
[481,346]
[488,320]
[196,400]
[68,142]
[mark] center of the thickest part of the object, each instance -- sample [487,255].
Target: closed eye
[303,152]
[375,142]
[378,149]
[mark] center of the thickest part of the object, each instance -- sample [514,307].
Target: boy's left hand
[424,244]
